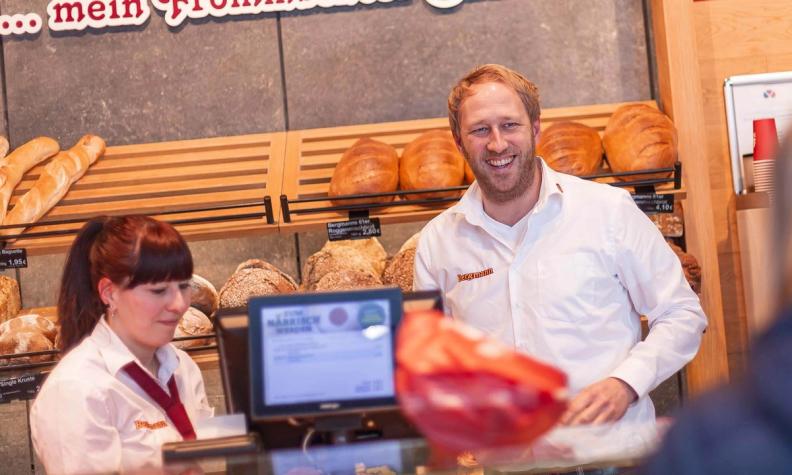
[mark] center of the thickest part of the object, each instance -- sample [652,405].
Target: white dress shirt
[91,417]
[571,291]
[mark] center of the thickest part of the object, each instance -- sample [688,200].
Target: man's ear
[536,129]
[107,291]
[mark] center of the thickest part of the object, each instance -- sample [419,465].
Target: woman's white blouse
[91,417]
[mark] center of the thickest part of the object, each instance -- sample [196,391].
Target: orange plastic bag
[465,391]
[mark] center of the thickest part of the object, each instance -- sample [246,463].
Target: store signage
[21,387]
[357,228]
[651,203]
[77,15]
[13,258]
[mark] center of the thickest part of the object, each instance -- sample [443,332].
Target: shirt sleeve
[73,431]
[653,276]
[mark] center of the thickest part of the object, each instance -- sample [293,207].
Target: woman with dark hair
[121,390]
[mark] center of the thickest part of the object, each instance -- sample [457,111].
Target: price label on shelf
[13,258]
[653,203]
[358,228]
[21,387]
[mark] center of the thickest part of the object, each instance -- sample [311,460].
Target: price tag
[21,387]
[13,258]
[653,203]
[358,228]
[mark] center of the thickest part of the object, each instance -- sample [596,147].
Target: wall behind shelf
[347,65]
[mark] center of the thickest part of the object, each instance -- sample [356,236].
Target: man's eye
[479,131]
[511,125]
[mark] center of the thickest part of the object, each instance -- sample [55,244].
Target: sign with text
[359,228]
[21,387]
[13,258]
[77,15]
[652,203]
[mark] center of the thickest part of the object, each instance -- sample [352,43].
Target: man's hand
[601,402]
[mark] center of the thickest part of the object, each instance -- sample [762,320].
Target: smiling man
[557,267]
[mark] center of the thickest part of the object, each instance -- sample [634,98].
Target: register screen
[327,352]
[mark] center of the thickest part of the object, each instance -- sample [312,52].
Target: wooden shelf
[170,180]
[312,155]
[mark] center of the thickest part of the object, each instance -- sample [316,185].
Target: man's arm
[653,276]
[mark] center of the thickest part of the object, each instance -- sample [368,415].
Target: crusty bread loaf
[432,160]
[411,243]
[400,270]
[203,295]
[55,180]
[332,260]
[370,248]
[369,166]
[347,279]
[690,266]
[10,302]
[251,282]
[260,264]
[15,342]
[50,313]
[639,137]
[469,176]
[14,166]
[570,147]
[30,322]
[3,146]
[193,323]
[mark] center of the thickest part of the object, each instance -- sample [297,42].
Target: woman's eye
[158,290]
[184,286]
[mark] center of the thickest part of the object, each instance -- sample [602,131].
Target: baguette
[14,166]
[53,184]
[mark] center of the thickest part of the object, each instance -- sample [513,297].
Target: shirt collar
[116,354]
[471,205]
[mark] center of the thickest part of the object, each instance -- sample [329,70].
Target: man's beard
[526,164]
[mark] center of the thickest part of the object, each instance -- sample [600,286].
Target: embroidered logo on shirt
[141,425]
[475,275]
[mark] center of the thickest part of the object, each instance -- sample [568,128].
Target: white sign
[77,15]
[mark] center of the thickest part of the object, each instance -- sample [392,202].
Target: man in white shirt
[558,267]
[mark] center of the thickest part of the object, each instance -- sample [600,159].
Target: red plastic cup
[765,139]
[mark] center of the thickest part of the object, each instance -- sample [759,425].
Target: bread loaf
[411,243]
[639,137]
[331,260]
[50,313]
[14,166]
[690,266]
[251,282]
[30,323]
[15,342]
[432,160]
[10,303]
[259,264]
[347,279]
[370,248]
[203,295]
[570,147]
[469,176]
[55,180]
[3,146]
[400,270]
[193,323]
[369,166]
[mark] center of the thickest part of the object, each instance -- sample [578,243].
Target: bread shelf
[312,155]
[207,187]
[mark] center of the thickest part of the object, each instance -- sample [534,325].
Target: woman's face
[145,317]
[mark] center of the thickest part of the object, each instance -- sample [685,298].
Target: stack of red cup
[765,147]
